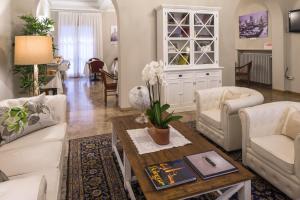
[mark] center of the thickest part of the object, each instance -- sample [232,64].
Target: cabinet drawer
[179,75]
[209,73]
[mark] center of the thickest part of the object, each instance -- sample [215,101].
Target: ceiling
[87,5]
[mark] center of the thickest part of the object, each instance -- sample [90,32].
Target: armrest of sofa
[233,106]
[58,105]
[32,187]
[297,156]
[208,99]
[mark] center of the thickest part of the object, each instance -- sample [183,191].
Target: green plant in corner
[33,26]
[153,76]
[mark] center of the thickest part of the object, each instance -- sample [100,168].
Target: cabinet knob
[207,74]
[180,75]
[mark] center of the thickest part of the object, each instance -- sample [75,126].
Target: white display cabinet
[187,43]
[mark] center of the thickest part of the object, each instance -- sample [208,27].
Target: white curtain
[79,38]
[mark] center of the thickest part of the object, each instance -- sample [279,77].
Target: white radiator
[261,71]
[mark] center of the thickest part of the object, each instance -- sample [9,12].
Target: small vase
[160,136]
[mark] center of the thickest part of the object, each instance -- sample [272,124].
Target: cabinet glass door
[179,38]
[204,25]
[204,38]
[178,25]
[204,52]
[179,52]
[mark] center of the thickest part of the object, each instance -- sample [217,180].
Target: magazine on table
[169,174]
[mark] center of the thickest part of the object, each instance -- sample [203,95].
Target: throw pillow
[3,177]
[291,127]
[17,121]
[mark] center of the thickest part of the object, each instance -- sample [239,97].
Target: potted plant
[157,112]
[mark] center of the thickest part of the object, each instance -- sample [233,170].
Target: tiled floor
[88,116]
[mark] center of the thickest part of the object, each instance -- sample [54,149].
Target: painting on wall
[114,34]
[254,25]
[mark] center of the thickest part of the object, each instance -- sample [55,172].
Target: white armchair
[219,120]
[272,155]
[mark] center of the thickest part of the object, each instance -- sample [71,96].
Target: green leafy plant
[25,75]
[34,26]
[157,113]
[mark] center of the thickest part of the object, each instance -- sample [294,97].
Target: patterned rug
[93,174]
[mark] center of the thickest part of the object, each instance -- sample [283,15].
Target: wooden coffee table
[239,182]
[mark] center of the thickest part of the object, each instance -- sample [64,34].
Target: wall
[19,9]
[293,59]
[247,7]
[54,17]
[276,10]
[6,83]
[43,9]
[110,51]
[137,25]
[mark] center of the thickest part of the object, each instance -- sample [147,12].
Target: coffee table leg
[245,192]
[128,177]
[114,140]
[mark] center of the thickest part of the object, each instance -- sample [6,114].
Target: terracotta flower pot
[160,136]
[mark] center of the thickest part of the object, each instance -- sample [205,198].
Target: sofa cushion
[52,176]
[212,117]
[31,158]
[49,134]
[278,149]
[19,120]
[29,188]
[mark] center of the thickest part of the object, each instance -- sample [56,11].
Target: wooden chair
[110,85]
[93,59]
[243,72]
[95,67]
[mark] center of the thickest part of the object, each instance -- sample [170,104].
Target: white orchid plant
[153,76]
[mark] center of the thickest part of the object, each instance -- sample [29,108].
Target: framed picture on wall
[254,25]
[114,34]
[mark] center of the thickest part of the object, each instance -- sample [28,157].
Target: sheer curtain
[79,38]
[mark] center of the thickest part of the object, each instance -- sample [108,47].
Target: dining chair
[110,85]
[95,67]
[243,72]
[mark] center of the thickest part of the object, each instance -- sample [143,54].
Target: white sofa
[219,120]
[34,162]
[272,155]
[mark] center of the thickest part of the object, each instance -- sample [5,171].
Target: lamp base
[142,119]
[36,89]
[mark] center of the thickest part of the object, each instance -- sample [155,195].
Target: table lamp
[33,50]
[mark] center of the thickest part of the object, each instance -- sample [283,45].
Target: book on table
[210,164]
[169,174]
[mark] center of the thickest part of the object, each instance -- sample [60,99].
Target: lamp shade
[30,50]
